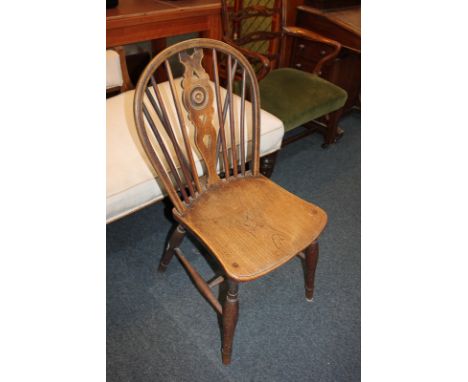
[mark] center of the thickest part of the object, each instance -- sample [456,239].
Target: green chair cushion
[297,97]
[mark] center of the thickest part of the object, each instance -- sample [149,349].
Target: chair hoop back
[183,122]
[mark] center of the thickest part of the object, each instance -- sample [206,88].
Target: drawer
[309,66]
[303,65]
[311,51]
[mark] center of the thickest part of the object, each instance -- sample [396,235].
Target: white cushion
[113,70]
[131,181]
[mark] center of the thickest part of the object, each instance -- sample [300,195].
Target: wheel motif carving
[198,98]
[198,101]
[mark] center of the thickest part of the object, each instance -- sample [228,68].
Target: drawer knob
[298,65]
[301,46]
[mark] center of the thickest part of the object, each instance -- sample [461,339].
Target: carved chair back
[258,29]
[255,25]
[192,117]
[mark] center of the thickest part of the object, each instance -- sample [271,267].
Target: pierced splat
[198,101]
[169,137]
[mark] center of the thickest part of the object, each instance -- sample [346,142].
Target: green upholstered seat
[297,97]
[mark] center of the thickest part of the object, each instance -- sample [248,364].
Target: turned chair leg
[174,242]
[267,164]
[333,131]
[229,318]
[311,258]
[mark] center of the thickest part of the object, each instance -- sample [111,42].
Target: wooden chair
[250,225]
[299,98]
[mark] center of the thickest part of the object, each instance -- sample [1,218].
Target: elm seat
[278,234]
[280,96]
[131,181]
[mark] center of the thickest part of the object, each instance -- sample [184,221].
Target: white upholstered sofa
[131,182]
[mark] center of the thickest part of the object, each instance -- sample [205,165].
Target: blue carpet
[160,329]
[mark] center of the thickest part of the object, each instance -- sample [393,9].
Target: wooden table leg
[157,46]
[214,30]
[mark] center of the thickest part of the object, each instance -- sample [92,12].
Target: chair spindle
[254,96]
[221,134]
[225,110]
[231,118]
[167,126]
[168,157]
[242,123]
[188,148]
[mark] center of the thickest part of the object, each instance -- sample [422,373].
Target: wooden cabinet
[342,26]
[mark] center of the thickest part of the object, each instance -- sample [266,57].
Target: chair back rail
[256,25]
[204,125]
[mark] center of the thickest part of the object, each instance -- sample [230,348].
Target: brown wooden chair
[297,97]
[250,225]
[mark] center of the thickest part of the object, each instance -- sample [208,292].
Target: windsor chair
[250,225]
[299,98]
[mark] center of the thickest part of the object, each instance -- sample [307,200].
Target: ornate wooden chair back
[255,25]
[272,47]
[172,148]
[258,28]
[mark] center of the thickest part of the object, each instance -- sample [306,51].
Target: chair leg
[230,314]
[174,242]
[333,131]
[267,164]
[311,259]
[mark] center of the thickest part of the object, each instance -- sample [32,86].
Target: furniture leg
[174,242]
[230,314]
[333,132]
[158,45]
[311,258]
[267,164]
[214,31]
